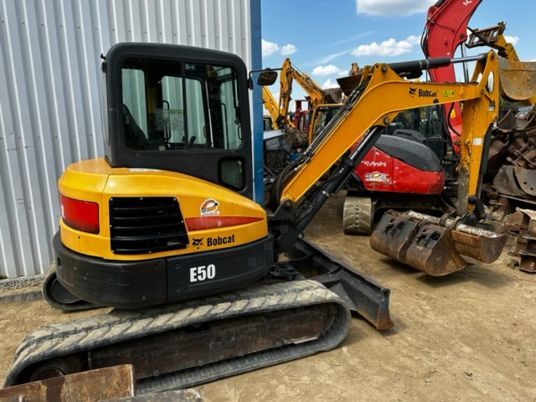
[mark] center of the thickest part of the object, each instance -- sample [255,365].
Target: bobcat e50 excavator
[168,216]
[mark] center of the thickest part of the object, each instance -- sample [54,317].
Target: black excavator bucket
[431,245]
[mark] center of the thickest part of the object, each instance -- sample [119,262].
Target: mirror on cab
[266,77]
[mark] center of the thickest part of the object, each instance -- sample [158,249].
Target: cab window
[180,106]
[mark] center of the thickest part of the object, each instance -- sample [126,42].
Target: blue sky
[323,37]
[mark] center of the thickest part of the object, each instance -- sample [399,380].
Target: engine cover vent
[141,225]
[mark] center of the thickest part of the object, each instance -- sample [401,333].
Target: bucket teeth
[429,246]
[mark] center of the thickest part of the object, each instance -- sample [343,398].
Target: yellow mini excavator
[323,102]
[164,229]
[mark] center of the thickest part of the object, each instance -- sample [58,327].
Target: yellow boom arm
[518,78]
[382,96]
[288,74]
[271,105]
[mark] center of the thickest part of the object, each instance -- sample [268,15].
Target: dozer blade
[518,80]
[361,294]
[429,245]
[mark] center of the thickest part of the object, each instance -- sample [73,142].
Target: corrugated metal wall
[50,110]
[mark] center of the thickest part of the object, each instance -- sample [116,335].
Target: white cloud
[331,57]
[353,38]
[329,83]
[326,70]
[392,7]
[511,39]
[288,49]
[269,48]
[389,47]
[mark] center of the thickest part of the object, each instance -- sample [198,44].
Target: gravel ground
[468,336]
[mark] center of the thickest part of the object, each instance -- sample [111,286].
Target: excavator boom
[381,95]
[278,121]
[444,32]
[376,101]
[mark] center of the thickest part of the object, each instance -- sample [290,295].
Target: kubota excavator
[167,216]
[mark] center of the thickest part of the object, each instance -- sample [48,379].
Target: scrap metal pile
[522,228]
[512,155]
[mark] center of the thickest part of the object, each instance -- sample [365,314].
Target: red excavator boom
[445,30]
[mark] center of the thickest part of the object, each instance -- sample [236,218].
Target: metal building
[50,98]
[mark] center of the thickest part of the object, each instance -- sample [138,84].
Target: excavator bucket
[348,84]
[518,79]
[431,245]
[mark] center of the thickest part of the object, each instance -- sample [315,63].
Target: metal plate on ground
[526,179]
[94,385]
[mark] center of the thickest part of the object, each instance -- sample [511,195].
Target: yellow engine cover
[214,216]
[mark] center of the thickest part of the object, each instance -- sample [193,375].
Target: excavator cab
[322,115]
[182,111]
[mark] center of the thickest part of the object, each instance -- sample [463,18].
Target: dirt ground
[468,336]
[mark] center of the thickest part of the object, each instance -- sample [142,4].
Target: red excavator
[411,164]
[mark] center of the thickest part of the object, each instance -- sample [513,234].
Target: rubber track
[63,339]
[357,216]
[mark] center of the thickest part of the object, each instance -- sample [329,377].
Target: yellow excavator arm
[288,74]
[278,120]
[380,96]
[518,78]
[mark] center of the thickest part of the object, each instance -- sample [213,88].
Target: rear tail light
[80,215]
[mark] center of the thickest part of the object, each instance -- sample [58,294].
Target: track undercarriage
[181,345]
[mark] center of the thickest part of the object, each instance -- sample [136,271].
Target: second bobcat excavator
[165,230]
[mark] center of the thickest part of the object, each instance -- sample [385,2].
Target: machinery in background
[277,120]
[316,97]
[444,32]
[413,164]
[511,170]
[295,129]
[413,238]
[168,217]
[418,171]
[281,138]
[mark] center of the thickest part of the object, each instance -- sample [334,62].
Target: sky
[323,37]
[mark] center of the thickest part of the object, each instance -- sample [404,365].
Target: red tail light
[80,215]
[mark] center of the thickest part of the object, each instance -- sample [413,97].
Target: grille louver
[140,225]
